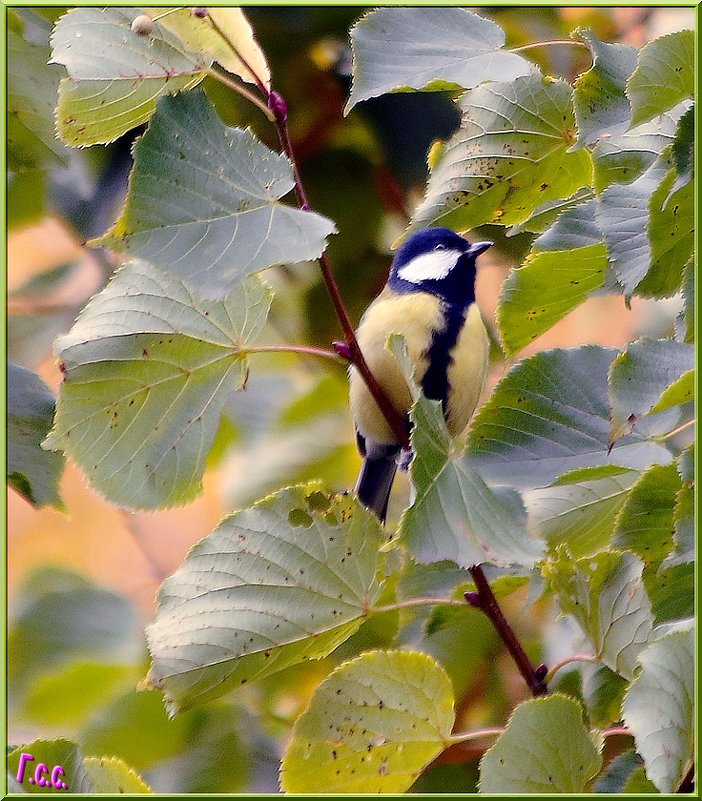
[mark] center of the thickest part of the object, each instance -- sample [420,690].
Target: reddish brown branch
[485,600]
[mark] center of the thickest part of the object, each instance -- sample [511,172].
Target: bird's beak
[478,248]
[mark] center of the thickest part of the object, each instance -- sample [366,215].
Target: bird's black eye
[440,246]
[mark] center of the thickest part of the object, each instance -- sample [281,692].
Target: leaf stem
[568,660]
[241,90]
[618,731]
[478,734]
[485,599]
[411,602]
[675,431]
[546,43]
[303,349]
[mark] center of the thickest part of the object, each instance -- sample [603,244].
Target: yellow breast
[416,316]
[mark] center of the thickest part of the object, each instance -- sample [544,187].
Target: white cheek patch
[429,266]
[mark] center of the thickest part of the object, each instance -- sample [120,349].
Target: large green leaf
[510,155]
[624,774]
[200,35]
[116,74]
[659,709]
[203,201]
[579,510]
[684,513]
[550,415]
[428,48]
[605,593]
[147,368]
[371,727]
[81,774]
[455,515]
[545,749]
[32,85]
[31,471]
[650,376]
[599,99]
[285,581]
[544,289]
[664,75]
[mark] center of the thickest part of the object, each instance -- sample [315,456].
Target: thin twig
[485,599]
[568,660]
[546,43]
[302,349]
[242,90]
[618,731]
[479,734]
[411,602]
[675,431]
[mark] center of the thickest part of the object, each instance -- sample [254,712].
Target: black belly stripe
[435,383]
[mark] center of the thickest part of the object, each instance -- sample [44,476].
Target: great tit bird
[430,299]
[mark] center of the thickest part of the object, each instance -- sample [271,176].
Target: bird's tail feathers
[375,482]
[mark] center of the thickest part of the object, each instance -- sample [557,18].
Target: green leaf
[599,99]
[111,775]
[672,591]
[199,35]
[455,515]
[32,85]
[580,512]
[148,367]
[545,214]
[683,146]
[649,376]
[645,523]
[605,691]
[545,749]
[61,752]
[623,158]
[81,774]
[685,321]
[371,727]
[622,214]
[605,594]
[671,231]
[550,415]
[428,48]
[664,75]
[658,708]
[510,155]
[683,518]
[285,581]
[204,202]
[31,471]
[575,228]
[115,74]
[98,112]
[544,289]
[625,774]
